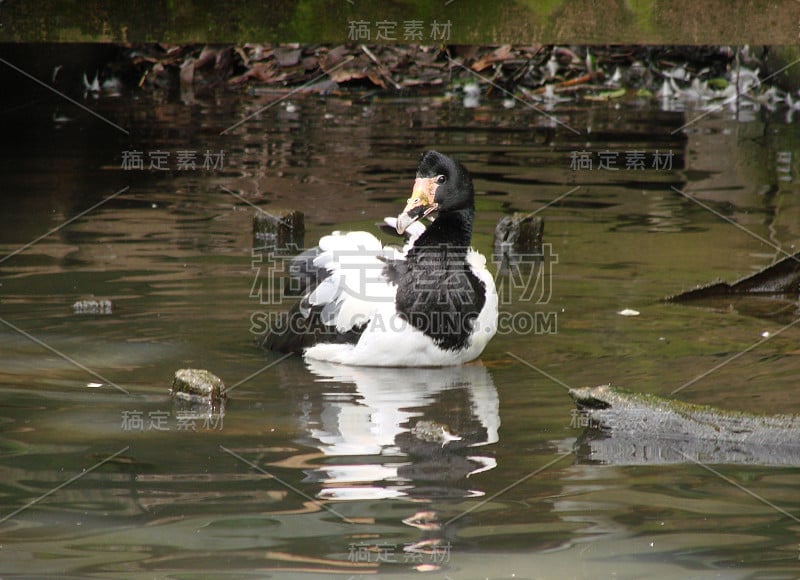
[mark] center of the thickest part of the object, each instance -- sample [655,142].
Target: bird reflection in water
[415,431]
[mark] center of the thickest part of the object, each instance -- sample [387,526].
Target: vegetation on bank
[537,73]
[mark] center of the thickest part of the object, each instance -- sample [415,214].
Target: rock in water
[433,432]
[198,385]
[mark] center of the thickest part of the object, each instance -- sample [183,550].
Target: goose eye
[440,179]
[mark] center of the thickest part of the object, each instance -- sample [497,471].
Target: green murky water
[314,470]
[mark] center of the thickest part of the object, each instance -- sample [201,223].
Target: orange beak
[420,204]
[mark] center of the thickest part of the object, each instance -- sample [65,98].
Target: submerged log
[780,278]
[278,229]
[624,428]
[523,232]
[517,240]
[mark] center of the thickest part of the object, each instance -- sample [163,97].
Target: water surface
[315,469]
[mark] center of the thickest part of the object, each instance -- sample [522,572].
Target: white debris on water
[628,312]
[472,95]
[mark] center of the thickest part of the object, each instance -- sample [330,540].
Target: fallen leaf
[606,95]
[207,56]
[376,79]
[499,55]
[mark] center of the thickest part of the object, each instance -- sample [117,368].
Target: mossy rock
[197,385]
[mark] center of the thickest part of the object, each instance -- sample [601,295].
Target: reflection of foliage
[473,21]
[278,21]
[543,9]
[327,20]
[642,13]
[308,22]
